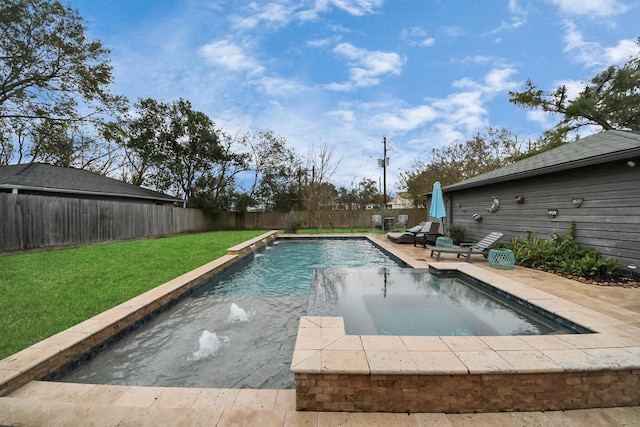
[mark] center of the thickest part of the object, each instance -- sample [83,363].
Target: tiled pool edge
[338,372]
[49,355]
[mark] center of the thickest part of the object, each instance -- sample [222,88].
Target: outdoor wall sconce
[495,206]
[631,163]
[477,217]
[577,202]
[519,200]
[553,213]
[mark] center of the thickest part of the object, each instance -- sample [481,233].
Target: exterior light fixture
[553,213]
[631,163]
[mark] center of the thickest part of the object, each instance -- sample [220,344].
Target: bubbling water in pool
[236,314]
[209,343]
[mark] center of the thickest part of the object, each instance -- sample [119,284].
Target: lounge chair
[480,248]
[402,221]
[428,235]
[377,222]
[406,236]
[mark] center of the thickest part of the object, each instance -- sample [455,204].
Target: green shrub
[562,255]
[457,233]
[292,223]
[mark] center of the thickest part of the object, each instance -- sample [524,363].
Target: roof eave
[617,156]
[87,193]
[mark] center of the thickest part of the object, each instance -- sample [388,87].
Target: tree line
[56,107]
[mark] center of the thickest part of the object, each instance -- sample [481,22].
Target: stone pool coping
[339,372]
[53,353]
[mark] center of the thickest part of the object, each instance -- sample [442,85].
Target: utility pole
[385,162]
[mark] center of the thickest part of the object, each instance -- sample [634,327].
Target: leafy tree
[69,145]
[415,182]
[359,195]
[275,168]
[184,152]
[133,168]
[368,193]
[217,189]
[461,160]
[48,68]
[610,101]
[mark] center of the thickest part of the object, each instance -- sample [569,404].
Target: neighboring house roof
[603,147]
[46,178]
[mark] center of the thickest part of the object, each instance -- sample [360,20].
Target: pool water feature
[238,330]
[413,302]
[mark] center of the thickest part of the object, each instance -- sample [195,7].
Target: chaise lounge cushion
[406,236]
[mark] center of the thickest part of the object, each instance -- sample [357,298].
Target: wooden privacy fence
[325,219]
[33,221]
[30,221]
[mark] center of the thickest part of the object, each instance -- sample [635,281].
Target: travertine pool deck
[613,312]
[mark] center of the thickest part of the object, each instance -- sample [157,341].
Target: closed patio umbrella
[437,209]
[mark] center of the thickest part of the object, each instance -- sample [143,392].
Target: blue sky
[345,73]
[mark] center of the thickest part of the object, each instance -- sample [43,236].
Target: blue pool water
[414,302]
[238,330]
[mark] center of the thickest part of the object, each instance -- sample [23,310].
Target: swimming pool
[413,302]
[237,330]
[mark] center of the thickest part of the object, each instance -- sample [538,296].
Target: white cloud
[406,119]
[367,67]
[323,42]
[272,14]
[574,87]
[512,24]
[585,52]
[346,117]
[622,52]
[592,54]
[279,87]
[417,36]
[496,80]
[352,7]
[227,54]
[464,110]
[515,7]
[591,8]
[499,80]
[544,119]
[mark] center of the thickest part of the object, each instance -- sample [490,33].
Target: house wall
[608,220]
[30,221]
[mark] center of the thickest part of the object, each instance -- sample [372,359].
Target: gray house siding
[608,220]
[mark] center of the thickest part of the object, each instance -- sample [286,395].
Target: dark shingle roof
[55,179]
[603,147]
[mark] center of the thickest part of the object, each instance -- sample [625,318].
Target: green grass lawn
[45,292]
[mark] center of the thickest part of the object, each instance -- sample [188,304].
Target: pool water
[236,331]
[391,301]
